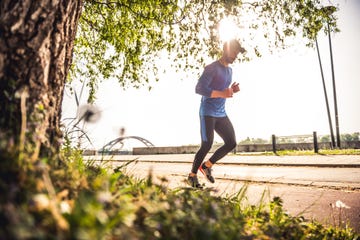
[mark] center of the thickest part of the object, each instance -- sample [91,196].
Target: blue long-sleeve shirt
[215,77]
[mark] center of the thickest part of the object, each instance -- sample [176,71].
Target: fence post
[273,143]
[316,147]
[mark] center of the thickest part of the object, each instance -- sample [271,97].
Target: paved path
[311,160]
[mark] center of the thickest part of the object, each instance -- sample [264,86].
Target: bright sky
[281,94]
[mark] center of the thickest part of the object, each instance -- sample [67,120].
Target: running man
[214,86]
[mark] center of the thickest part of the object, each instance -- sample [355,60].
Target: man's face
[230,55]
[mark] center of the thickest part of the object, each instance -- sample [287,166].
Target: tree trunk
[36,45]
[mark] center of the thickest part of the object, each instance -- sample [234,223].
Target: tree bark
[36,45]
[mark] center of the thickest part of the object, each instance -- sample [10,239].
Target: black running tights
[224,128]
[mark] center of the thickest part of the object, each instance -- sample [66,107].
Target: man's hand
[235,87]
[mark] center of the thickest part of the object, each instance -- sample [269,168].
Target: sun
[227,30]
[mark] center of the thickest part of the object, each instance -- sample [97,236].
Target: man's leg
[207,125]
[225,129]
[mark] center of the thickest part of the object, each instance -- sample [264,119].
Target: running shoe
[207,172]
[194,182]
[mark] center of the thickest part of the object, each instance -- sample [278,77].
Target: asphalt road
[313,187]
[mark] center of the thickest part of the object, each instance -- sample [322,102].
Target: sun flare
[227,30]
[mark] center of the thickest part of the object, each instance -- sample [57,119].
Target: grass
[74,200]
[306,152]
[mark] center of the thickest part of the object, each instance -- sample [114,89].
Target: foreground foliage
[74,200]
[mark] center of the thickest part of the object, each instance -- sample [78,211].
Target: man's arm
[203,84]
[227,93]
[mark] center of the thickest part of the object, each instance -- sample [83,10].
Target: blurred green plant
[83,200]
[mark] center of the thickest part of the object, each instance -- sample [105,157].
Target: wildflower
[39,202]
[104,197]
[65,207]
[340,204]
[89,113]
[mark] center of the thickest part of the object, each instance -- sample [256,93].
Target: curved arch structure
[111,144]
